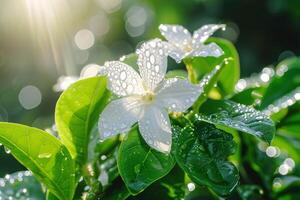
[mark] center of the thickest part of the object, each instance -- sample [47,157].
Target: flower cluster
[147,97]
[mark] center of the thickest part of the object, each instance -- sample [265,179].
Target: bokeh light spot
[84,39]
[271,151]
[30,97]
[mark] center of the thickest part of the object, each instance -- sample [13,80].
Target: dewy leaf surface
[77,112]
[140,165]
[209,81]
[281,85]
[201,151]
[43,155]
[229,114]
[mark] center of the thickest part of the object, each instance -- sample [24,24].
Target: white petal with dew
[175,34]
[152,62]
[119,115]
[176,53]
[203,33]
[155,128]
[211,49]
[178,94]
[123,80]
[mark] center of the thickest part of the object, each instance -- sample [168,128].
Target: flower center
[187,47]
[148,97]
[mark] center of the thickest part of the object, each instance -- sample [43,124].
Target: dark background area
[36,51]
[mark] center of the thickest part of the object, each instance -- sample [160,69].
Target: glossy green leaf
[201,151]
[77,112]
[228,114]
[290,125]
[203,65]
[51,196]
[170,187]
[139,165]
[289,184]
[20,185]
[248,96]
[248,192]
[104,147]
[209,80]
[176,73]
[43,154]
[285,83]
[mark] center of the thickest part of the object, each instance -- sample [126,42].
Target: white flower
[184,45]
[146,98]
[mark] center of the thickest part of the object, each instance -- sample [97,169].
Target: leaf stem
[191,73]
[90,176]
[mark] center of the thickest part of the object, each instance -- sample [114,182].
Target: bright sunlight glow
[48,21]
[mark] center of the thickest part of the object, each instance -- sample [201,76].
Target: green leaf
[288,184]
[290,125]
[77,112]
[209,80]
[203,65]
[170,187]
[50,196]
[201,151]
[248,96]
[248,192]
[176,73]
[105,147]
[228,114]
[20,185]
[139,165]
[284,83]
[42,154]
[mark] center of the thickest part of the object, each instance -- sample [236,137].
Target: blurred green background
[45,41]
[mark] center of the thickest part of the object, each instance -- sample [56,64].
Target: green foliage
[229,114]
[210,151]
[201,151]
[208,82]
[42,154]
[200,66]
[284,83]
[77,113]
[140,165]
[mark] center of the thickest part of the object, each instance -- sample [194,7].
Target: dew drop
[44,155]
[152,59]
[7,150]
[156,68]
[123,75]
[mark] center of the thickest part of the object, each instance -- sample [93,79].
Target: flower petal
[176,53]
[123,80]
[119,115]
[211,49]
[155,128]
[178,94]
[203,33]
[175,34]
[152,62]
